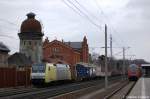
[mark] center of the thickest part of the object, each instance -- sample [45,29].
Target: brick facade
[67,52]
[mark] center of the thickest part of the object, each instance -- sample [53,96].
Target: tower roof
[31,15]
[30,24]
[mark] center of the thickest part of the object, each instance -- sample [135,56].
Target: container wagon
[85,71]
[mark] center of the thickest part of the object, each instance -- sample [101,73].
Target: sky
[127,20]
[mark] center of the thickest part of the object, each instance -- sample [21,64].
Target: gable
[57,43]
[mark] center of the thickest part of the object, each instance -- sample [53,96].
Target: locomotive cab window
[38,68]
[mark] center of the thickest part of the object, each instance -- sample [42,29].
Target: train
[134,72]
[85,71]
[49,72]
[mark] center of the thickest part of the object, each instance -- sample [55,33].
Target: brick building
[65,52]
[3,55]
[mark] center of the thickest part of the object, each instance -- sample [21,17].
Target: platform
[141,90]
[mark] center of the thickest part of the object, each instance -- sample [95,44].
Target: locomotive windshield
[40,68]
[133,67]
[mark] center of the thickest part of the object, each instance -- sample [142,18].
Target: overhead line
[87,17]
[106,17]
[1,35]
[12,28]
[86,9]
[71,7]
[81,12]
[8,22]
[118,53]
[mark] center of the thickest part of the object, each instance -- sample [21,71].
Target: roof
[31,24]
[145,65]
[133,66]
[58,42]
[4,47]
[75,45]
[19,59]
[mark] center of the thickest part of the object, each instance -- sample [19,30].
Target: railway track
[18,91]
[51,91]
[79,94]
[122,91]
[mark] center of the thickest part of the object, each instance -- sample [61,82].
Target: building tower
[85,50]
[31,38]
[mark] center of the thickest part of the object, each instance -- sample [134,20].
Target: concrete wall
[32,49]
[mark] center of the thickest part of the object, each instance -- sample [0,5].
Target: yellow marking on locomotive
[50,73]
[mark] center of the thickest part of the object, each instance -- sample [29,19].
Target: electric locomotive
[134,72]
[49,72]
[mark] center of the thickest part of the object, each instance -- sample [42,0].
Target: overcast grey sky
[128,22]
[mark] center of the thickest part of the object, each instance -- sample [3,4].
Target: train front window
[38,68]
[133,68]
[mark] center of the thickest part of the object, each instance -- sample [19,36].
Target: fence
[12,77]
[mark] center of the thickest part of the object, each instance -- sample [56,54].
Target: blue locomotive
[85,71]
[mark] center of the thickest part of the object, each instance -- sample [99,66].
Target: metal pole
[111,56]
[111,46]
[26,76]
[123,63]
[106,68]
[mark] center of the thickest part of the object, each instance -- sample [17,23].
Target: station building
[67,52]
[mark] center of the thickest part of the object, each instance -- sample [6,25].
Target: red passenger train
[134,72]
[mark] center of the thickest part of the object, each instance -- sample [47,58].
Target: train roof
[133,65]
[86,64]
